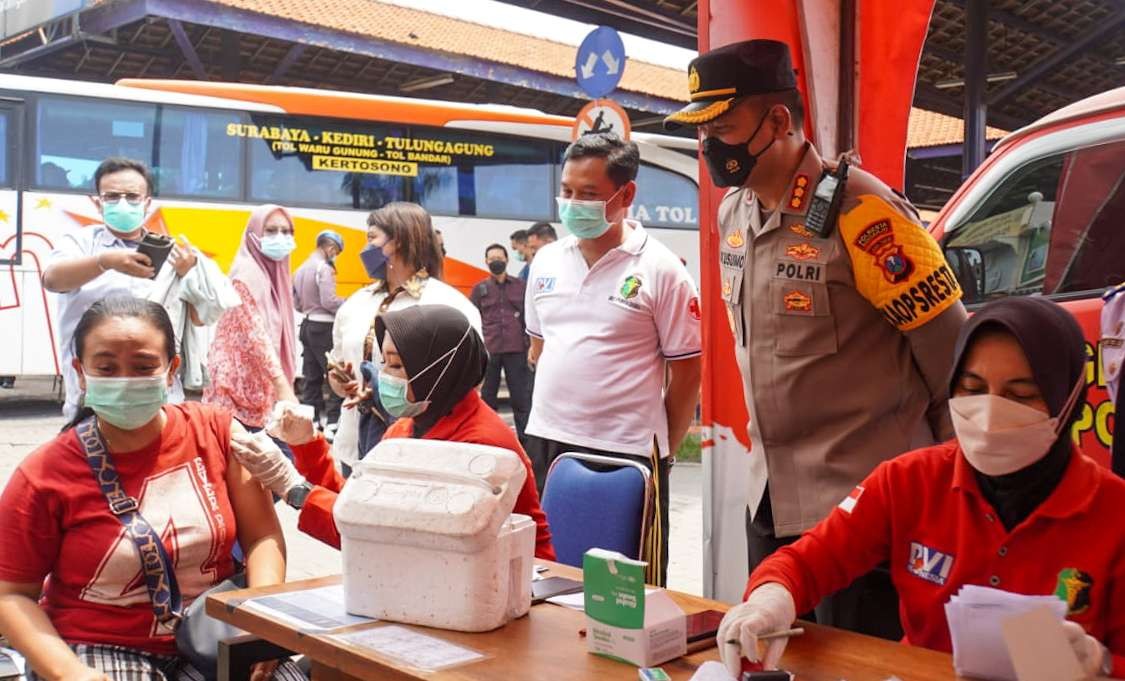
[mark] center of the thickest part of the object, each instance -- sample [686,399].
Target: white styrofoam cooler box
[428,535]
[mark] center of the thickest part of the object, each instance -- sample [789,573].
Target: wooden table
[546,646]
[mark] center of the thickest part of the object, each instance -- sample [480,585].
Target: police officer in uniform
[843,309]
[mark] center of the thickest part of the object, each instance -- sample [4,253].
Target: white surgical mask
[1001,436]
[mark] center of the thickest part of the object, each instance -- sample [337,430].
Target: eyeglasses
[115,197]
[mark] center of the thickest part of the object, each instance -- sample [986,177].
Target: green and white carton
[625,622]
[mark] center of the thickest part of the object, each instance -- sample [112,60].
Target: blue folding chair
[597,502]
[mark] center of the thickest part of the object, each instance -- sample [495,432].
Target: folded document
[975,616]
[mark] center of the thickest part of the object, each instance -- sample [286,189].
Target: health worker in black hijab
[1011,503]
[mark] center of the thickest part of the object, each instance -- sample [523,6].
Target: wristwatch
[296,496]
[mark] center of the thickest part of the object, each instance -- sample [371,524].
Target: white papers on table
[317,609]
[577,601]
[426,653]
[975,614]
[712,671]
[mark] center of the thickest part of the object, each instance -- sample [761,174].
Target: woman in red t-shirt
[73,600]
[432,362]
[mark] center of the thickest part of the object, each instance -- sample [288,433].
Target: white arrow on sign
[588,67]
[612,65]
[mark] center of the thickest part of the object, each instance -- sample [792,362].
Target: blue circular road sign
[600,62]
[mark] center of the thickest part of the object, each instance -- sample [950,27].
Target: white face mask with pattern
[1001,436]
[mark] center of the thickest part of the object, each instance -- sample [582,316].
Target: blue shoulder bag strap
[160,579]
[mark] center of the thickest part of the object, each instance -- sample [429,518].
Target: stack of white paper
[975,614]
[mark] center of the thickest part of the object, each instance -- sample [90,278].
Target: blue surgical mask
[393,390]
[123,217]
[127,403]
[392,393]
[277,246]
[374,261]
[585,219]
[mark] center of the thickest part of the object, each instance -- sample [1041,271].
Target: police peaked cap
[716,79]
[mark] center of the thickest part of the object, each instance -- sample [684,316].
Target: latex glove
[769,608]
[292,423]
[261,456]
[1092,655]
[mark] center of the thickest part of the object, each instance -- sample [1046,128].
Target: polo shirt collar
[1074,493]
[637,240]
[634,243]
[106,237]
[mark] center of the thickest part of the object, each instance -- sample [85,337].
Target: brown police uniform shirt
[844,343]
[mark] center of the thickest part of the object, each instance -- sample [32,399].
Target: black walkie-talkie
[826,200]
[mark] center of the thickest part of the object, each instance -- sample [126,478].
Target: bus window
[665,199]
[474,174]
[72,139]
[195,157]
[320,162]
[1050,227]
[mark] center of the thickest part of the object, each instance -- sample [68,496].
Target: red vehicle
[1045,216]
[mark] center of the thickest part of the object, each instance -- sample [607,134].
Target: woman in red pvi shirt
[74,600]
[1011,503]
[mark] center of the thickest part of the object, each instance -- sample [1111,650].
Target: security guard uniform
[844,336]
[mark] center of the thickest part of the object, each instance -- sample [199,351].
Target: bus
[219,149]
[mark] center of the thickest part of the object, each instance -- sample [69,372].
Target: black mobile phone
[156,247]
[550,587]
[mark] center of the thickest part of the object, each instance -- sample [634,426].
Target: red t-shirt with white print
[57,526]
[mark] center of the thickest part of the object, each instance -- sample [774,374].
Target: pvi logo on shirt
[544,284]
[929,564]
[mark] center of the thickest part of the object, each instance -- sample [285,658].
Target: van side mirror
[968,266]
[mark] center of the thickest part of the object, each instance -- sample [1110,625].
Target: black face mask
[374,262]
[497,267]
[730,164]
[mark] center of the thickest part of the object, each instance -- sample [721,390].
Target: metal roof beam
[209,14]
[290,58]
[641,18]
[956,58]
[928,97]
[1040,68]
[187,49]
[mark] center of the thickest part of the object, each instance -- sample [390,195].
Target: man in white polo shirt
[612,313]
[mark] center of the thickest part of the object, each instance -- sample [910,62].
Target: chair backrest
[596,502]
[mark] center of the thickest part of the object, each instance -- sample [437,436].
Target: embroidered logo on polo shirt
[849,502]
[1074,587]
[544,284]
[929,564]
[693,309]
[630,287]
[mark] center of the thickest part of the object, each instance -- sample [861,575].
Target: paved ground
[29,417]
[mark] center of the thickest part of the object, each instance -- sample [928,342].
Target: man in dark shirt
[519,246]
[500,300]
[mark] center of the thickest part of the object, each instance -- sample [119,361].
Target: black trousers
[316,339]
[869,605]
[518,376]
[543,452]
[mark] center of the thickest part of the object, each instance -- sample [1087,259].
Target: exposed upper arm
[251,503]
[31,590]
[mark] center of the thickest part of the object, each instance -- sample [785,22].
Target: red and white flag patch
[849,502]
